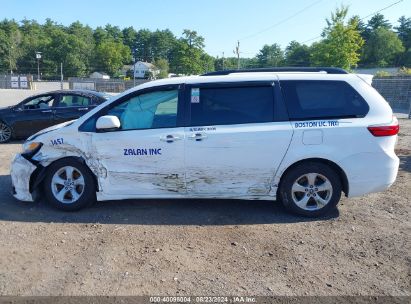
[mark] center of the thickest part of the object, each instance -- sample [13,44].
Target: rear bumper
[370,172]
[21,171]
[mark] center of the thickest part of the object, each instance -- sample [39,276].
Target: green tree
[185,60]
[114,32]
[143,45]
[378,21]
[100,35]
[111,56]
[297,54]
[34,39]
[341,43]
[4,66]
[187,54]
[69,50]
[270,56]
[404,31]
[130,38]
[162,67]
[229,63]
[82,48]
[383,48]
[11,38]
[193,39]
[406,58]
[361,26]
[208,62]
[162,43]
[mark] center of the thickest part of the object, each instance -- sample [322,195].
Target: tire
[69,185]
[310,189]
[5,132]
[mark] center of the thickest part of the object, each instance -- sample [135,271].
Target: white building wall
[140,70]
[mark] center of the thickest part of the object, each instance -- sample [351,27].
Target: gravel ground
[207,247]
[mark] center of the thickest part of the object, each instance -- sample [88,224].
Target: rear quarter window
[313,99]
[233,105]
[74,101]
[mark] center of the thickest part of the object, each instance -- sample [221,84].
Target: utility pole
[134,69]
[134,73]
[61,75]
[10,60]
[237,52]
[223,62]
[38,57]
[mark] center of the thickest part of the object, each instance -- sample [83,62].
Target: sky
[221,22]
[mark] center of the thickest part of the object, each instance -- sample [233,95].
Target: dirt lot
[207,247]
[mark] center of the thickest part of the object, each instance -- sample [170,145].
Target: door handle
[46,111]
[198,136]
[82,109]
[170,138]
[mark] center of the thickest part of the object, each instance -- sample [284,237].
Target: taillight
[385,130]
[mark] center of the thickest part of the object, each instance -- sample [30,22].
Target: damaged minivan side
[302,137]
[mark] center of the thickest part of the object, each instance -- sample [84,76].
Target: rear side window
[231,105]
[322,99]
[74,101]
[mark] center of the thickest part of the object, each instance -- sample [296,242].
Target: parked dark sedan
[44,110]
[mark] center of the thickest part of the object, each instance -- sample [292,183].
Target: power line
[282,21]
[376,12]
[387,7]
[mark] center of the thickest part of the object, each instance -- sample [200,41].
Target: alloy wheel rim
[67,185]
[312,191]
[5,132]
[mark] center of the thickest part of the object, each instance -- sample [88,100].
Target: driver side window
[42,102]
[148,111]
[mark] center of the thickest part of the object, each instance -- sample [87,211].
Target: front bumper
[21,171]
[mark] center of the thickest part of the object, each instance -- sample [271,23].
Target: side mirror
[108,123]
[18,109]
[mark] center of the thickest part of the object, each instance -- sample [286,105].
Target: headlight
[31,147]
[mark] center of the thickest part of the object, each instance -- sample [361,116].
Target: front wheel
[5,132]
[69,185]
[311,189]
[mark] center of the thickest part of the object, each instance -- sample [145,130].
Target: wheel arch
[341,173]
[38,176]
[4,121]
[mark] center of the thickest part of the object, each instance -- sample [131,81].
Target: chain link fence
[397,91]
[104,85]
[26,82]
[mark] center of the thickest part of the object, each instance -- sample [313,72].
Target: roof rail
[279,69]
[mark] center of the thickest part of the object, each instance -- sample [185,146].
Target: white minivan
[299,135]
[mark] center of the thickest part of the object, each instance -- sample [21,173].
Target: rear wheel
[69,185]
[311,189]
[5,132]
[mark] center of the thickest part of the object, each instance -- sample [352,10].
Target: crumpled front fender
[21,171]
